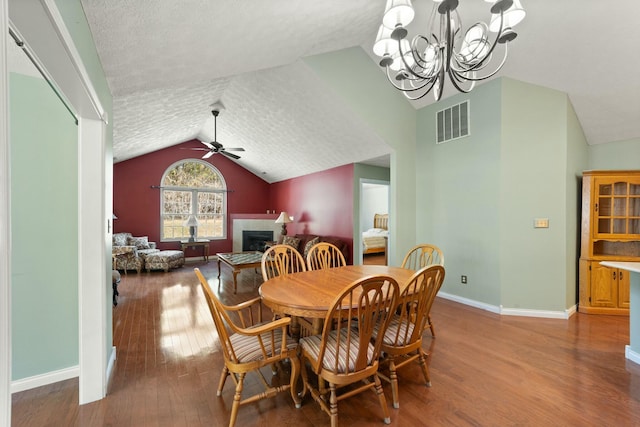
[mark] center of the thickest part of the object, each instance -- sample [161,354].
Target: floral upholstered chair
[129,252]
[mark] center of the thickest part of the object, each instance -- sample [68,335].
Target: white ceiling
[166,62]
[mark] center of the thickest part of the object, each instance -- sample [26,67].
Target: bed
[374,240]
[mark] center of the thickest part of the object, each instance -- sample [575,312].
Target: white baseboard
[525,312]
[631,355]
[470,302]
[110,365]
[44,379]
[56,376]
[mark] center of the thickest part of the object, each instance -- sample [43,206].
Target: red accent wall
[321,203]
[137,204]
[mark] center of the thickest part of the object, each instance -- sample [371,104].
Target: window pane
[191,188]
[192,175]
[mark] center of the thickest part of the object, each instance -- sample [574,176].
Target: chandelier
[419,66]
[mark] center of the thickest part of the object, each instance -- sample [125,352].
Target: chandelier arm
[423,94]
[482,64]
[401,88]
[493,73]
[456,79]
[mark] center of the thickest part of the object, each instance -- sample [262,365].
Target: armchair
[129,252]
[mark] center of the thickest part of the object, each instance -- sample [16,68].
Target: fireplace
[254,240]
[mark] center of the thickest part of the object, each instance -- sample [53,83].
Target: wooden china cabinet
[611,232]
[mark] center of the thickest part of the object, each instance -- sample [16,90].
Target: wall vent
[452,123]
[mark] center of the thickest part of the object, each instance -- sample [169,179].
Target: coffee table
[239,261]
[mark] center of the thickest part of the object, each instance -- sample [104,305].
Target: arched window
[193,187]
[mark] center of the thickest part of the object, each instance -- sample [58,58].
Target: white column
[93,281]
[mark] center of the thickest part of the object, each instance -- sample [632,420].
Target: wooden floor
[486,370]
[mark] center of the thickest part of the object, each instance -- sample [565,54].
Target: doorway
[374,201]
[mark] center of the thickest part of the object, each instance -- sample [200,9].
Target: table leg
[294,328]
[235,280]
[218,270]
[316,326]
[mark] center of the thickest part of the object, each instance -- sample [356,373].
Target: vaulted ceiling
[167,61]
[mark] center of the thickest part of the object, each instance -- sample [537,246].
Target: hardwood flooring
[486,370]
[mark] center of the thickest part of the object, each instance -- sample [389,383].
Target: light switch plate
[541,223]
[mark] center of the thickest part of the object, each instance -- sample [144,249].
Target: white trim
[631,355]
[94,279]
[59,26]
[5,226]
[111,364]
[470,302]
[525,312]
[45,379]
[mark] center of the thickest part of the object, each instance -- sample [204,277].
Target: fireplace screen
[255,240]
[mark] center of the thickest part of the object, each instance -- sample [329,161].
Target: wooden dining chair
[324,255]
[345,353]
[279,260]
[421,256]
[402,341]
[248,344]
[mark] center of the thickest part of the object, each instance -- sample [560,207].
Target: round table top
[311,293]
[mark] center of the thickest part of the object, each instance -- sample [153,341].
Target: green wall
[577,161]
[533,185]
[615,155]
[44,210]
[477,197]
[355,77]
[458,194]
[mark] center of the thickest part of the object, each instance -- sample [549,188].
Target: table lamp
[283,219]
[192,223]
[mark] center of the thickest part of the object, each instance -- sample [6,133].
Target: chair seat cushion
[401,330]
[312,346]
[248,349]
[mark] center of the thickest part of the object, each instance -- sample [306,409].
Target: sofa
[129,252]
[304,242]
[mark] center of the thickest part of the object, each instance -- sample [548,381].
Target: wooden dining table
[310,294]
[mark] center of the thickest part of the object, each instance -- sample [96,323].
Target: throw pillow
[139,242]
[309,245]
[120,239]
[291,241]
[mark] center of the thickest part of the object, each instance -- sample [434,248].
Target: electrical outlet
[463,279]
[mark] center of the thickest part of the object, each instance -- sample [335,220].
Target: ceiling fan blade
[209,154]
[234,149]
[196,149]
[209,146]
[215,144]
[233,156]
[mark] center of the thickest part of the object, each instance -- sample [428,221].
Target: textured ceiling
[166,62]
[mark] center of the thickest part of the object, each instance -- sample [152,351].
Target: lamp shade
[384,44]
[398,13]
[511,17]
[283,218]
[192,221]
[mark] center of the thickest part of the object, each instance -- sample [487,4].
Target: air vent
[452,123]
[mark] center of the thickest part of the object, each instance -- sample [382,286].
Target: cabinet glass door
[617,208]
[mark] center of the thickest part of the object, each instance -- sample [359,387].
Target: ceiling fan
[214,146]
